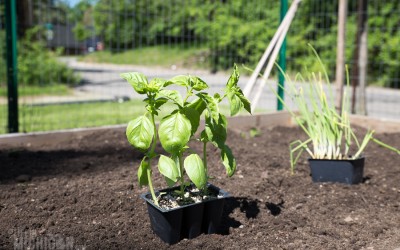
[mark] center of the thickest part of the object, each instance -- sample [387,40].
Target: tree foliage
[239,31]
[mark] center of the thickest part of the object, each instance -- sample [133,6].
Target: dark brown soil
[84,193]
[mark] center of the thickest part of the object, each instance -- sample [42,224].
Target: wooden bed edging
[281,118]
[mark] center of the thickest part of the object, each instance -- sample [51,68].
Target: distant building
[62,35]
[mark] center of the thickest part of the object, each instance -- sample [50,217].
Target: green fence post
[11,37]
[282,59]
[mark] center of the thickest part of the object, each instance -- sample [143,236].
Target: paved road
[102,81]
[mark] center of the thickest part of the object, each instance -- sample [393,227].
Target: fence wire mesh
[70,53]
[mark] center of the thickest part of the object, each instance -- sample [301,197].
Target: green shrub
[3,72]
[38,66]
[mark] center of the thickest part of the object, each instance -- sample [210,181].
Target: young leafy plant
[178,128]
[330,135]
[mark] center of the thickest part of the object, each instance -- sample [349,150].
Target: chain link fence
[70,53]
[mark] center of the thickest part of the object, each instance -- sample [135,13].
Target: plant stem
[153,195]
[182,175]
[205,165]
[153,147]
[189,94]
[205,157]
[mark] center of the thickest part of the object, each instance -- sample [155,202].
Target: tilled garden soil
[83,194]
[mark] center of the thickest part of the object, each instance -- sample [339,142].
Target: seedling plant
[178,128]
[330,135]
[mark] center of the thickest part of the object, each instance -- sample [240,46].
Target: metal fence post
[282,58]
[12,84]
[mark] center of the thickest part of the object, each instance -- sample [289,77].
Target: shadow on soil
[366,178]
[23,165]
[248,206]
[274,209]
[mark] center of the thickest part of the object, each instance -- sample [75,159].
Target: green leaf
[155,85]
[159,102]
[211,104]
[234,78]
[216,130]
[234,103]
[194,118]
[235,95]
[172,95]
[195,170]
[198,84]
[237,100]
[181,80]
[198,104]
[188,81]
[140,132]
[137,80]
[245,102]
[203,136]
[218,97]
[174,132]
[228,160]
[142,172]
[168,169]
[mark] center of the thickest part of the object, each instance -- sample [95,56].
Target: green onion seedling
[330,135]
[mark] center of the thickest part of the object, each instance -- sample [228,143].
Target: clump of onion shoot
[330,135]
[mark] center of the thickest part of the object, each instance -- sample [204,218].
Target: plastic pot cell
[341,171]
[188,221]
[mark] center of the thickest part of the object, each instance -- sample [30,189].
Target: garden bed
[80,189]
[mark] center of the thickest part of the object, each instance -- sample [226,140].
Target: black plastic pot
[187,221]
[342,171]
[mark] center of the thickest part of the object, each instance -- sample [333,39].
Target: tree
[82,16]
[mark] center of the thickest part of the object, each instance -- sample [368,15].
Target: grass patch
[67,116]
[162,55]
[82,115]
[55,89]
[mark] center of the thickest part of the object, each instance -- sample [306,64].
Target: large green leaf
[140,132]
[195,170]
[198,104]
[142,173]
[228,160]
[216,130]
[174,132]
[194,118]
[172,95]
[168,169]
[137,80]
